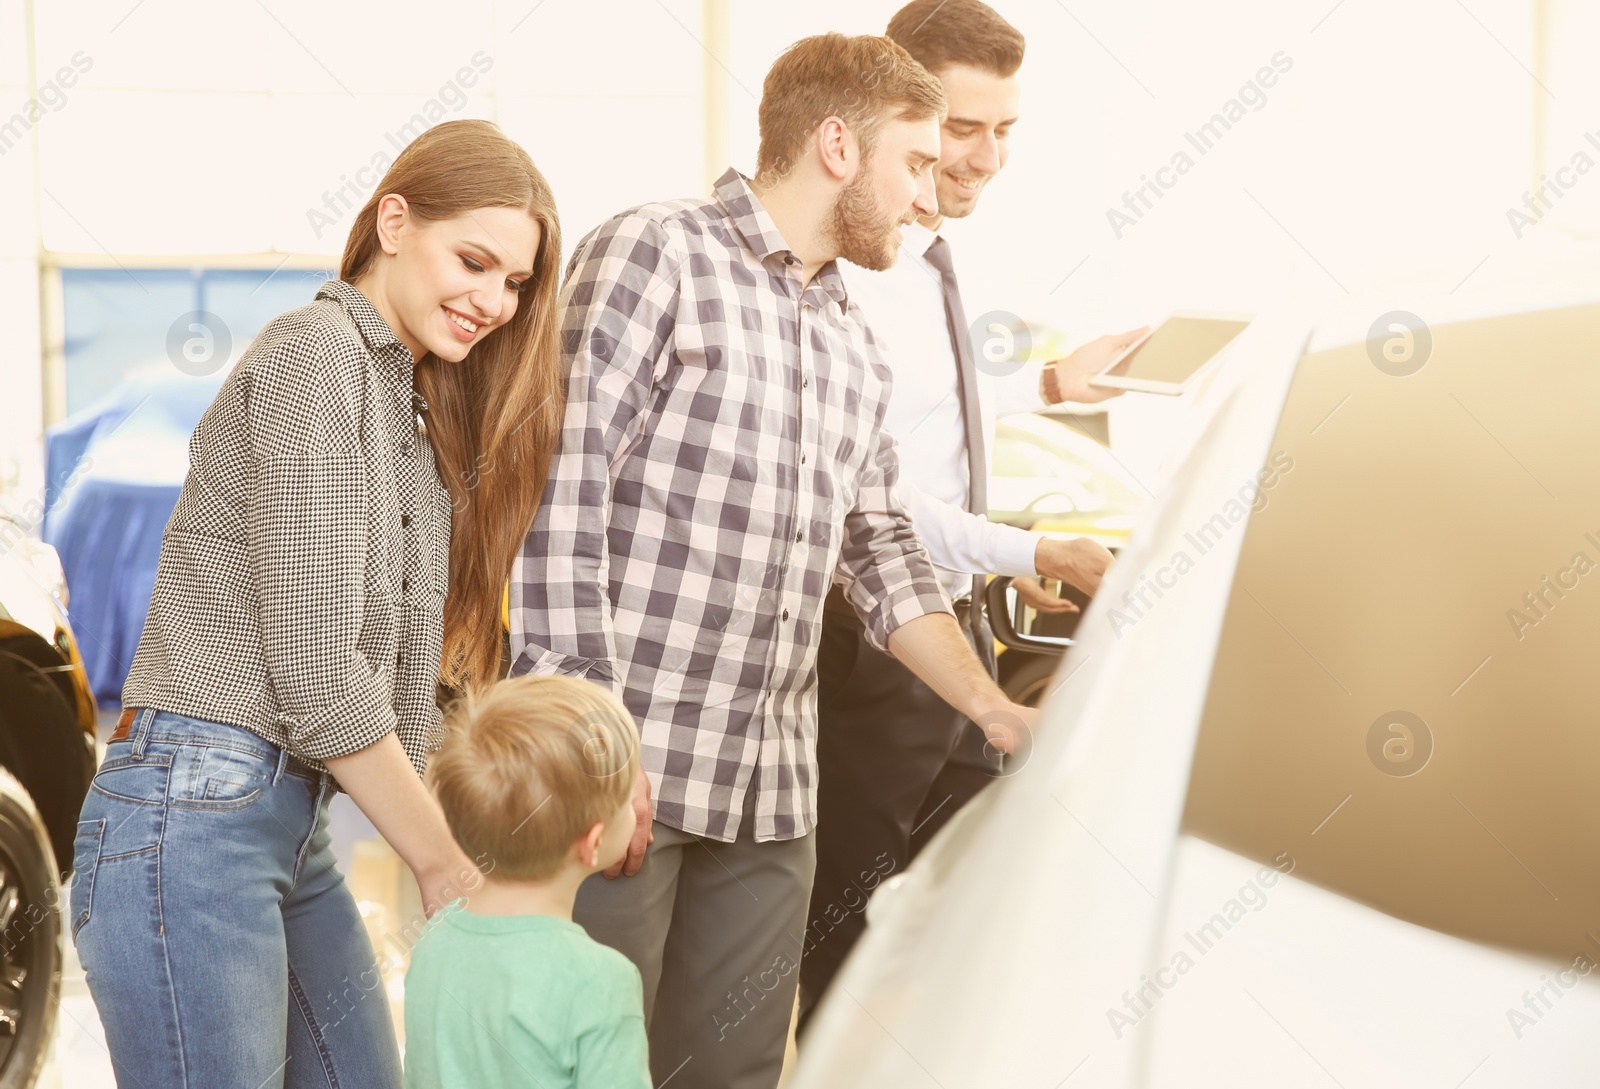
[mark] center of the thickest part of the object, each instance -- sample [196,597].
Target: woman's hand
[384,786]
[442,886]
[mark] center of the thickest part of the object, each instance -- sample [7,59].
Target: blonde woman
[356,494]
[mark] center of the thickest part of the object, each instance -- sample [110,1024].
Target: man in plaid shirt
[722,463]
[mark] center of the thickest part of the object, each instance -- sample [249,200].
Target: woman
[369,451]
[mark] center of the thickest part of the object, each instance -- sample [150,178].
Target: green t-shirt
[521,1000]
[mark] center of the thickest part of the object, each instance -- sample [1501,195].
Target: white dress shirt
[904,306]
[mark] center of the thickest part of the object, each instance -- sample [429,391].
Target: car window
[1403,698]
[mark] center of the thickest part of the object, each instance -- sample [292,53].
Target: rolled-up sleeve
[617,317]
[307,534]
[887,574]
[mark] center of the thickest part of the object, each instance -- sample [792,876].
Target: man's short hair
[529,766]
[863,81]
[941,33]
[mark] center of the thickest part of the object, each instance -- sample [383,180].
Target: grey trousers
[716,931]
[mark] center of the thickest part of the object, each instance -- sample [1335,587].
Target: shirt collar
[373,329]
[917,238]
[753,223]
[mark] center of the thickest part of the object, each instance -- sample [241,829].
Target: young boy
[504,989]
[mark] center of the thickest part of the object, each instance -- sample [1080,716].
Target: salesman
[883,768]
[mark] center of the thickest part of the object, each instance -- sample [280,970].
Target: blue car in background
[114,472]
[145,352]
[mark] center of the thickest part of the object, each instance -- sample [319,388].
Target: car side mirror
[1014,623]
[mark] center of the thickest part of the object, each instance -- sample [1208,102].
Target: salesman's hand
[1076,561]
[1008,726]
[643,830]
[1073,373]
[1037,598]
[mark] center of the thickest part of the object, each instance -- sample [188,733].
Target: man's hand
[1078,561]
[937,651]
[1073,373]
[387,789]
[1008,726]
[643,830]
[1036,597]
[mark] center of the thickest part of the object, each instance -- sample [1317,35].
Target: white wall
[1390,149]
[184,132]
[1394,146]
[1573,112]
[206,128]
[21,392]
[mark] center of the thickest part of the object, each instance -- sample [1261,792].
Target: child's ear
[589,845]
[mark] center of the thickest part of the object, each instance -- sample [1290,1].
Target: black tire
[41,742]
[1028,682]
[30,938]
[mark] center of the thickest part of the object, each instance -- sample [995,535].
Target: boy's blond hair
[531,764]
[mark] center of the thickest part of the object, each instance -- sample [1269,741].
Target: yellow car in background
[47,757]
[1047,474]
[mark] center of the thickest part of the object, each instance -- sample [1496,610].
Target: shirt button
[797,536]
[397,661]
[805,381]
[405,584]
[802,459]
[786,614]
[405,519]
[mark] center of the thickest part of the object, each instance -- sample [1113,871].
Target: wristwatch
[1049,388]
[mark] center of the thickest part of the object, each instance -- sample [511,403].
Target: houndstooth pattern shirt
[300,593]
[722,460]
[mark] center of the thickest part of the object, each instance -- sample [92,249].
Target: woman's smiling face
[454,281]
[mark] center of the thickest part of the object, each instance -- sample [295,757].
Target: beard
[862,233]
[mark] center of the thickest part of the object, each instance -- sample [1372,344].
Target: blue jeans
[221,945]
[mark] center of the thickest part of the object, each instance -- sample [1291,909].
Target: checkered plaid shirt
[300,593]
[722,461]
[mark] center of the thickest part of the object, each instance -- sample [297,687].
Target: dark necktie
[938,255]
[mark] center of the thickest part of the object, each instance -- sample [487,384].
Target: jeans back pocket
[85,860]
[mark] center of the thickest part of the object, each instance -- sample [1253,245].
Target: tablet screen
[1178,348]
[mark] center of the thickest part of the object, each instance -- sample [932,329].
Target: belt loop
[283,764]
[141,730]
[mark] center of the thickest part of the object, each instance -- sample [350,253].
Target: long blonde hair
[494,419]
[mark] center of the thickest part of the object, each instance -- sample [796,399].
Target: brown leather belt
[124,725]
[124,730]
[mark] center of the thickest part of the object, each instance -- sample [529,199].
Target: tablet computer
[1171,355]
